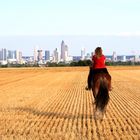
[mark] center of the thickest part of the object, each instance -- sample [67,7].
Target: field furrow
[52,103]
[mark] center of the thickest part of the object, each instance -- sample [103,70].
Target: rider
[98,65]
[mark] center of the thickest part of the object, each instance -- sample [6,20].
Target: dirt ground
[52,103]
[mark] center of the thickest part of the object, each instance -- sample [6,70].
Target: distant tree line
[18,65]
[72,64]
[88,63]
[120,63]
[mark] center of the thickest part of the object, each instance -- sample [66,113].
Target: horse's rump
[100,88]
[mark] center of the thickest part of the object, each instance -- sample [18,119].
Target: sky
[28,23]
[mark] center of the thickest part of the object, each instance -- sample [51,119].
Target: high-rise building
[18,56]
[83,53]
[136,58]
[124,58]
[11,54]
[88,57]
[56,56]
[3,54]
[35,55]
[114,57]
[47,55]
[64,51]
[40,56]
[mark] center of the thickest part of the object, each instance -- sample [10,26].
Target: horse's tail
[102,97]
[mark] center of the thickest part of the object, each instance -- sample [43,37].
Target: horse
[100,88]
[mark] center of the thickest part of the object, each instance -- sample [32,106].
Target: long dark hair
[98,52]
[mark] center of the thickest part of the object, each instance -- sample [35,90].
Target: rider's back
[98,62]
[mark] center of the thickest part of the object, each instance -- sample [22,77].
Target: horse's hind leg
[109,84]
[104,112]
[93,93]
[98,115]
[94,102]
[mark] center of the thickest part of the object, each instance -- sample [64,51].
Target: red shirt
[98,62]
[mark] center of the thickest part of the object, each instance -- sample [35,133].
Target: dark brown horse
[100,88]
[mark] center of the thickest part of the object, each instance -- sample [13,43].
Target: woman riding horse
[98,66]
[99,81]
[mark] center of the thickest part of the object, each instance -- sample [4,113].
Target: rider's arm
[104,59]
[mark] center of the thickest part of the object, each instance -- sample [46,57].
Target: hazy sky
[120,18]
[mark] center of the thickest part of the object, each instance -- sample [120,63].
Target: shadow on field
[53,114]
[84,118]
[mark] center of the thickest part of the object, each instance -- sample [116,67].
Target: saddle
[98,71]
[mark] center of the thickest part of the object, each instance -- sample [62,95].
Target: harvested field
[52,103]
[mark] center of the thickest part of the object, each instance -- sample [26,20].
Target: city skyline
[26,44]
[15,56]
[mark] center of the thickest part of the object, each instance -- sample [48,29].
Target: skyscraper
[114,57]
[83,53]
[40,56]
[47,55]
[11,54]
[3,54]
[18,56]
[64,51]
[35,55]
[56,56]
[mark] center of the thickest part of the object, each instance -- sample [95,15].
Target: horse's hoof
[86,88]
